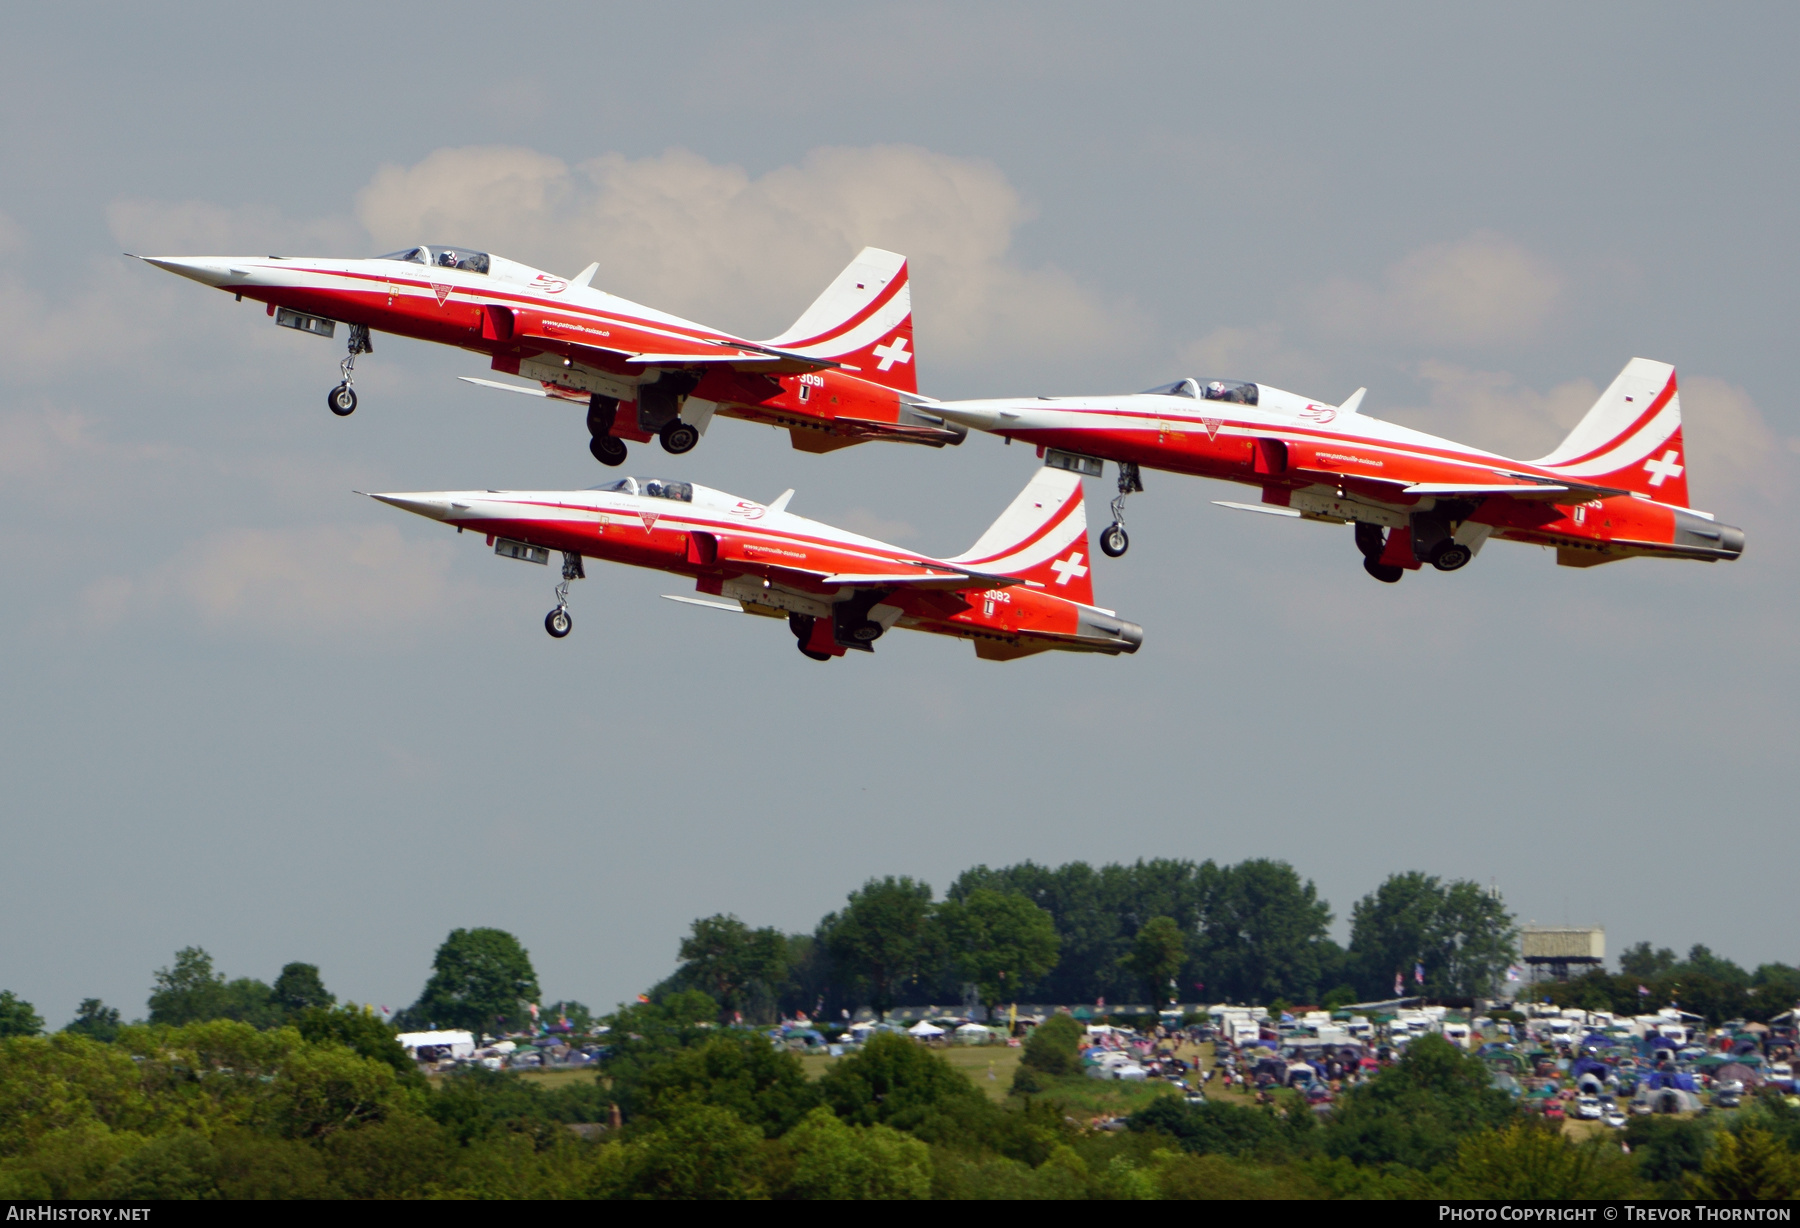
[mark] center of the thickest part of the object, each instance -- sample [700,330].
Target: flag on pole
[1514,972]
[1643,991]
[644,998]
[1399,984]
[1419,973]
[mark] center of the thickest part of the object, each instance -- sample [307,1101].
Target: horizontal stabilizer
[1257,507]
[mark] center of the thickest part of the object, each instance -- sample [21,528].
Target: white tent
[458,1044]
[923,1028]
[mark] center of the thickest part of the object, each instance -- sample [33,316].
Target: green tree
[1261,932]
[1214,1127]
[1054,1046]
[1157,954]
[734,962]
[701,1152]
[1459,931]
[95,1020]
[1667,1149]
[834,1161]
[1747,1165]
[885,937]
[299,988]
[1528,1160]
[1646,965]
[479,979]
[362,1031]
[893,1081]
[190,992]
[17,1018]
[1001,941]
[1418,1111]
[745,1075]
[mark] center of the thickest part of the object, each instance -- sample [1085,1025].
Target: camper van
[1457,1034]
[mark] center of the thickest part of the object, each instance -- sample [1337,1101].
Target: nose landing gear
[342,399]
[1113,539]
[557,622]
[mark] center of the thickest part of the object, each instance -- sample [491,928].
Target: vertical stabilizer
[1631,438]
[1042,537]
[863,321]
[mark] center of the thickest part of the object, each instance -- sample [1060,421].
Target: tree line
[1148,932]
[327,1106]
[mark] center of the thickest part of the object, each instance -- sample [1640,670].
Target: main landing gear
[557,622]
[607,449]
[1113,539]
[342,399]
[1430,539]
[802,627]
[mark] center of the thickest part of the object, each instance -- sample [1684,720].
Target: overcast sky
[247,710]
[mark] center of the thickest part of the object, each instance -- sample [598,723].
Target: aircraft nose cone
[434,506]
[207,270]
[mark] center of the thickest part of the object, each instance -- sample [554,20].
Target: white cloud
[748,253]
[1731,449]
[357,584]
[1483,290]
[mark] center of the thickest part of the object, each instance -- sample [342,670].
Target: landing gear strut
[1113,539]
[557,622]
[607,448]
[342,399]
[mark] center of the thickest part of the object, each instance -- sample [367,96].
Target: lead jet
[843,374]
[1023,588]
[1615,488]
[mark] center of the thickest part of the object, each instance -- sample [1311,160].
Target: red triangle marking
[443,292]
[649,519]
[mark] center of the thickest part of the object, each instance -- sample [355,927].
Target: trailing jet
[841,375]
[1023,588]
[1615,488]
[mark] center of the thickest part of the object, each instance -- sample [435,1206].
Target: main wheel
[679,437]
[607,450]
[1387,573]
[558,623]
[1113,541]
[1450,555]
[1369,539]
[867,632]
[810,654]
[342,400]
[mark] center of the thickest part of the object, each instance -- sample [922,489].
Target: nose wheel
[342,399]
[1114,541]
[557,622]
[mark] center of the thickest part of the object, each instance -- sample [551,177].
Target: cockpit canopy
[443,258]
[653,488]
[1238,392]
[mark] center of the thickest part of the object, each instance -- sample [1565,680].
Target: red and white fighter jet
[841,375]
[1023,588]
[1615,488]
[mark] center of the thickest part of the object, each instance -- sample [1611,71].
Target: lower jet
[1616,488]
[1023,588]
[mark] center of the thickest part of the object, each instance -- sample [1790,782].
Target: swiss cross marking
[1665,467]
[891,353]
[1067,569]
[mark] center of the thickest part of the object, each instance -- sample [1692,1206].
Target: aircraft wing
[1530,489]
[927,577]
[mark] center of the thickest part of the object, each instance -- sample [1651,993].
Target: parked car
[1588,1108]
